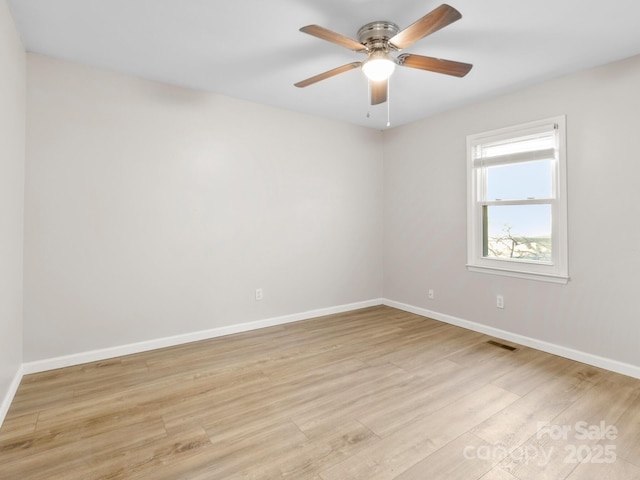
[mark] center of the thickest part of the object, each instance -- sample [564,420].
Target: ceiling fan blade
[378,91]
[432,22]
[438,65]
[333,37]
[328,74]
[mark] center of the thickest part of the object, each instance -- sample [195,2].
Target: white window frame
[556,270]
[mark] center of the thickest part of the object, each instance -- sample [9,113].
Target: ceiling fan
[378,39]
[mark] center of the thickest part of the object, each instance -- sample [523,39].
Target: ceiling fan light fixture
[379,66]
[377,39]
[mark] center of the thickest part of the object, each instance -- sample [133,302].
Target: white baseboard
[8,398]
[589,359]
[105,353]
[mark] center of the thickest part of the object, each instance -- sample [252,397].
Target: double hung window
[517,210]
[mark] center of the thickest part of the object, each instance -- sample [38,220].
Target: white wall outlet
[258,294]
[499,301]
[431,294]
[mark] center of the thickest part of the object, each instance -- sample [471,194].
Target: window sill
[542,277]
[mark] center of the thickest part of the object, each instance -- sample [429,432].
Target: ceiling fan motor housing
[376,35]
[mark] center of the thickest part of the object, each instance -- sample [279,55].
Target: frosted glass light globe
[378,66]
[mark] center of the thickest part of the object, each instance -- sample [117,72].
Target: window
[517,211]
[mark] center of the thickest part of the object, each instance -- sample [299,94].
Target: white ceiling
[252,49]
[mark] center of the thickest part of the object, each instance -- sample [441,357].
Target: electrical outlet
[258,294]
[431,294]
[499,301]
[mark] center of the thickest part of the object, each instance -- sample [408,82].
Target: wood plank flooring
[373,394]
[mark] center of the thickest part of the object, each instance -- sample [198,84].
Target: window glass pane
[520,180]
[521,232]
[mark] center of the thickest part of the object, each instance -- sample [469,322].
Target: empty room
[319,240]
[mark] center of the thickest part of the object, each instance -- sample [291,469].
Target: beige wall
[425,216]
[12,158]
[154,211]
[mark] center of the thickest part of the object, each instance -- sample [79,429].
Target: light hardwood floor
[372,394]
